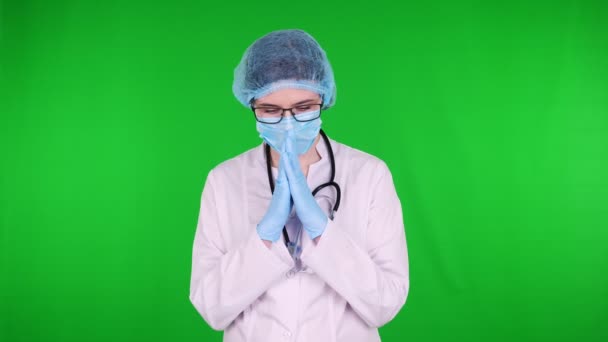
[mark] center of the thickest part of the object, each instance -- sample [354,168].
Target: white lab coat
[356,277]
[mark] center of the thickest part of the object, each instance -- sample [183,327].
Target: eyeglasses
[274,114]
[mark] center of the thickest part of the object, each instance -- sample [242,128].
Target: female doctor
[302,237]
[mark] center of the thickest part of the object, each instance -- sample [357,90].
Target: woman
[272,262]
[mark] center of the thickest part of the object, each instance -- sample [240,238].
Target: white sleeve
[373,279]
[225,282]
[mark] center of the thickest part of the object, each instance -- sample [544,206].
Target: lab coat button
[287,334]
[290,274]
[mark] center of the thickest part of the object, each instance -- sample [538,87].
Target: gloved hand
[310,214]
[276,216]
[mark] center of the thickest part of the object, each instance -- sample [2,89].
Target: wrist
[267,235]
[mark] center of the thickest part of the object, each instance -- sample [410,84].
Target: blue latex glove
[310,214]
[276,216]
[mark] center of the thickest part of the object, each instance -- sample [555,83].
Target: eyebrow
[295,104]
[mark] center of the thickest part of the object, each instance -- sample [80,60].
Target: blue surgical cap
[284,59]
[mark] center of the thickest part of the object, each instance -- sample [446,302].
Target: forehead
[287,97]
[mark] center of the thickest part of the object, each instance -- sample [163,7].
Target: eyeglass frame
[283,110]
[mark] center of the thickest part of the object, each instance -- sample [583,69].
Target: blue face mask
[305,132]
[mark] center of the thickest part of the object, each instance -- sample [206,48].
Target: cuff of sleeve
[268,256]
[321,250]
[341,263]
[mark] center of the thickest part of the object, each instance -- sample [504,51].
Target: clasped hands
[290,189]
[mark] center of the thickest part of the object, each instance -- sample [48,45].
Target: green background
[493,119]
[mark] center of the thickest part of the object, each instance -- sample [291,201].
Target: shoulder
[368,172]
[235,166]
[359,160]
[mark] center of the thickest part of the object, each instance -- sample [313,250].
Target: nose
[285,112]
[289,124]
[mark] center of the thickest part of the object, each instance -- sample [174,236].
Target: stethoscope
[317,189]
